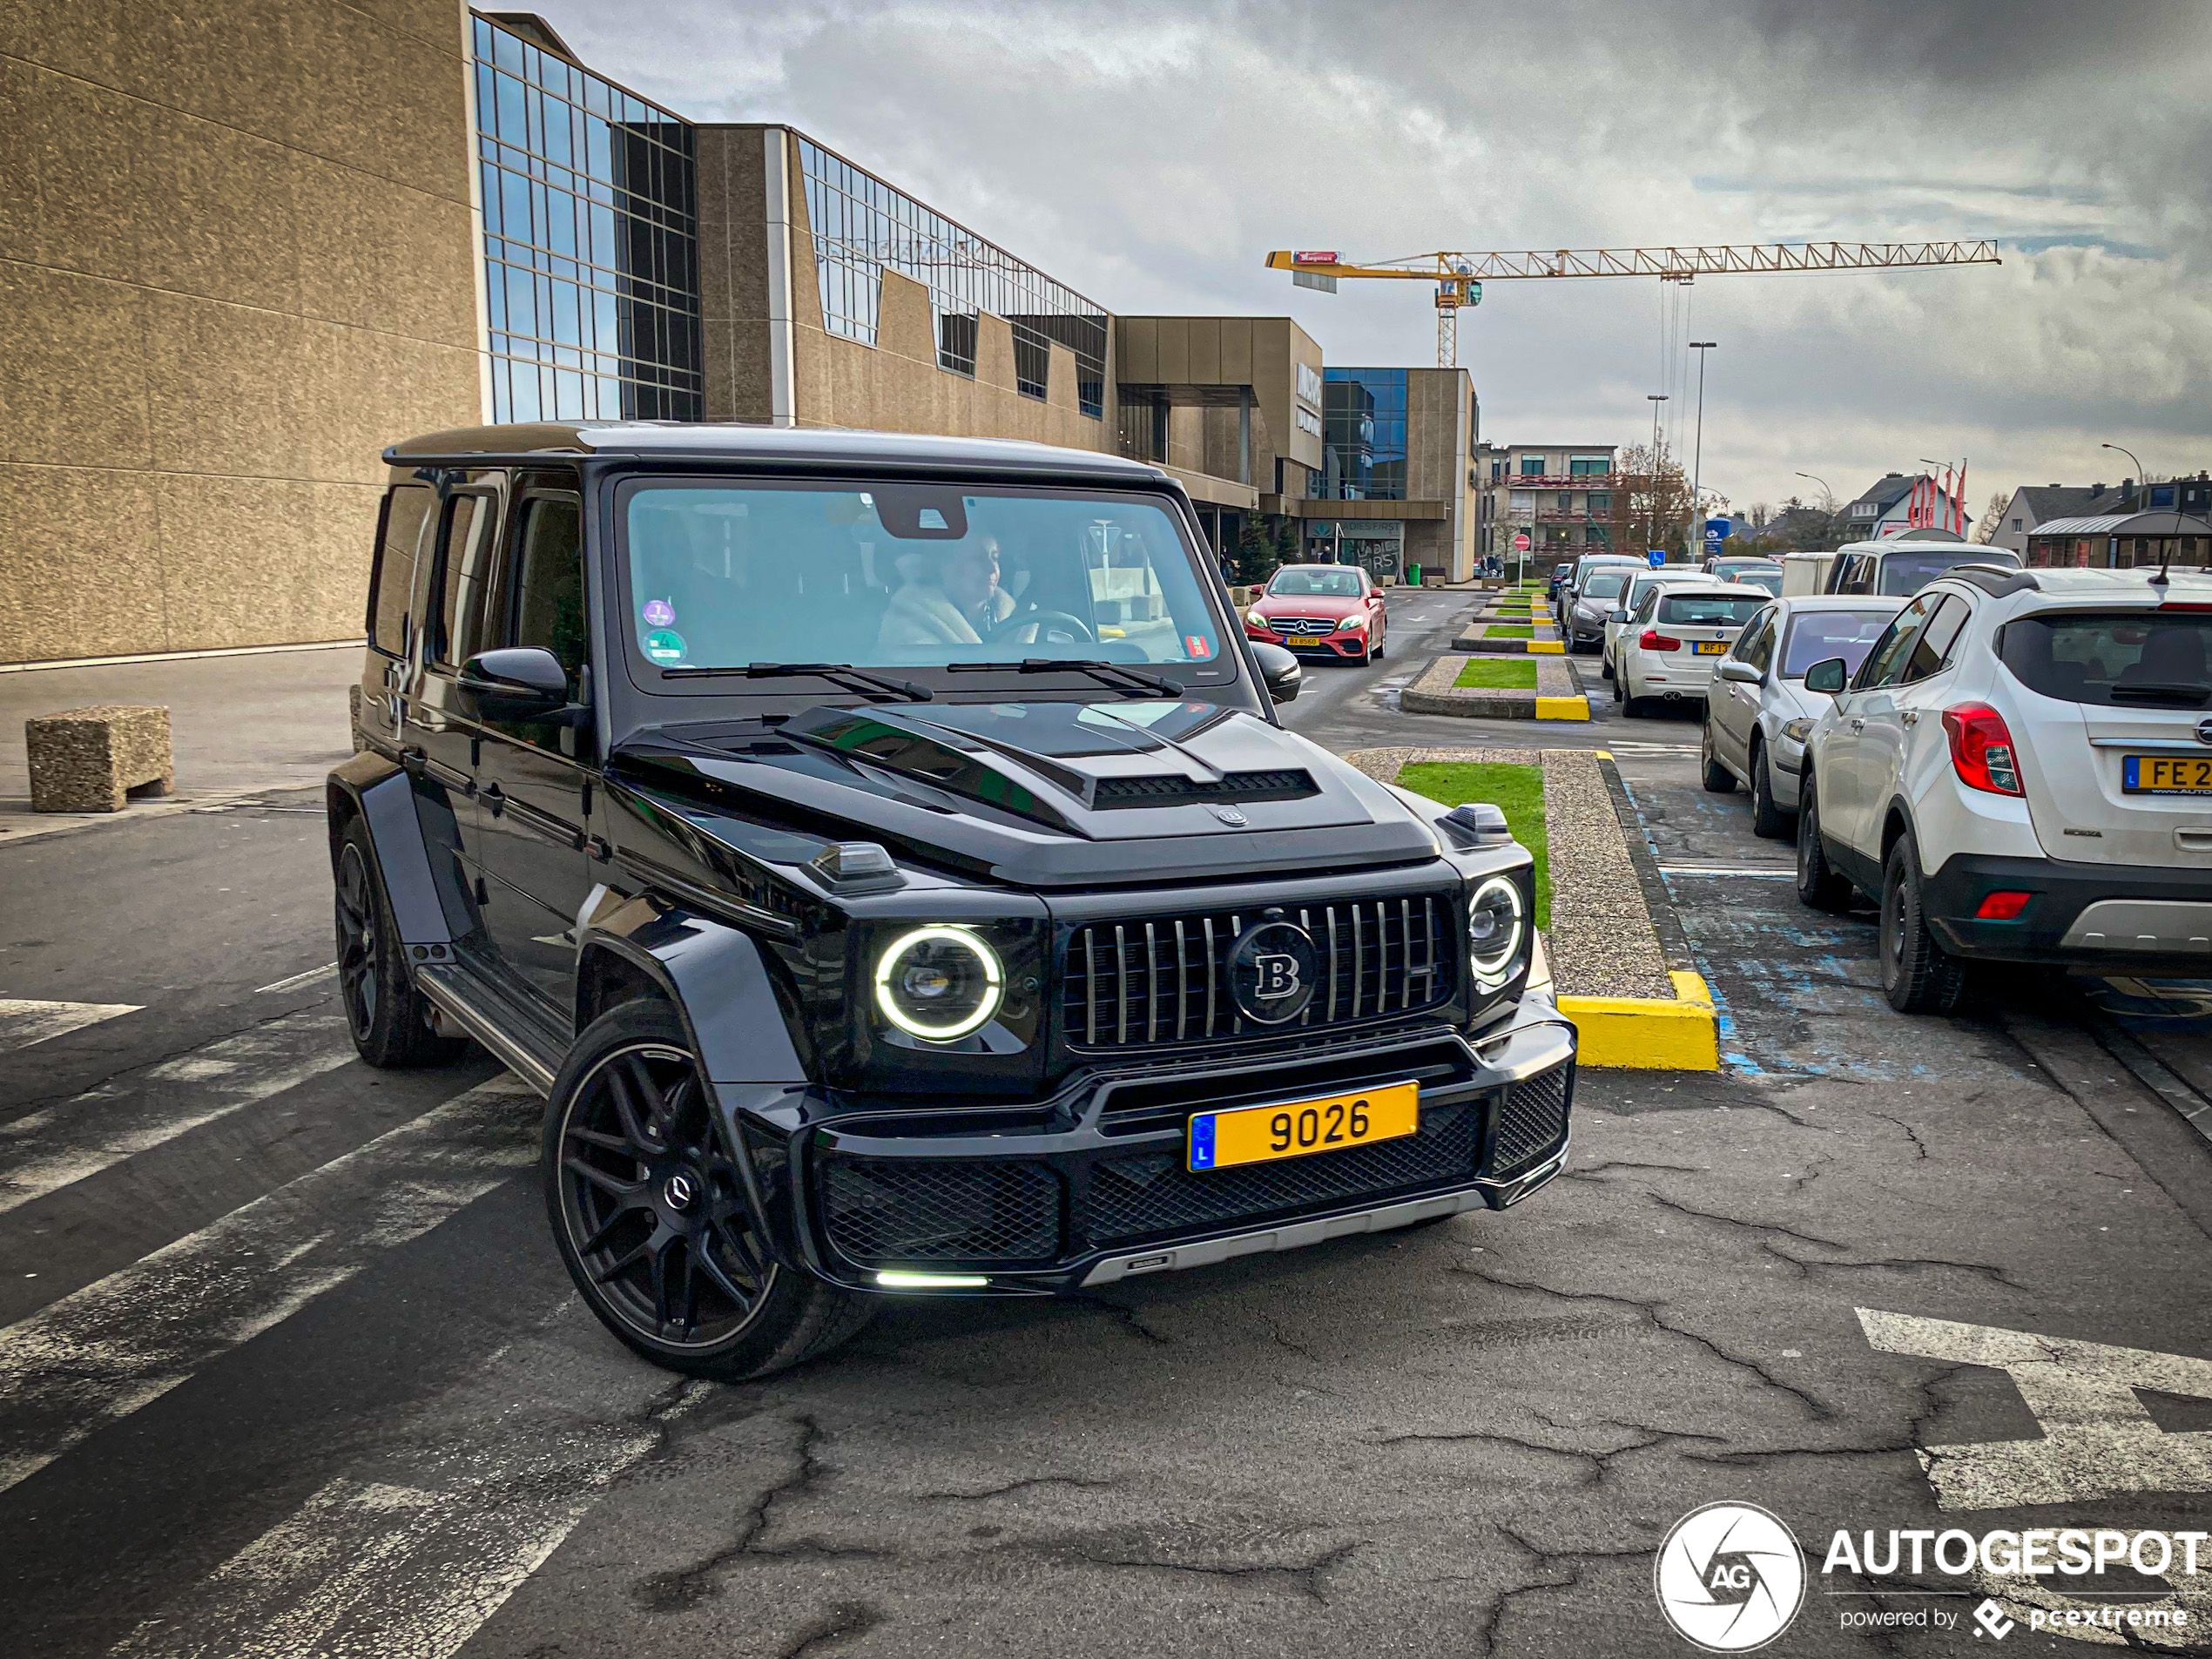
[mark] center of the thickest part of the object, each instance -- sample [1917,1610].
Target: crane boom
[1458,276]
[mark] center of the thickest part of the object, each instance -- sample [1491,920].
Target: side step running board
[471,1006]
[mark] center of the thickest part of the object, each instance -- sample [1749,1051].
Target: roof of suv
[804,447]
[2086,586]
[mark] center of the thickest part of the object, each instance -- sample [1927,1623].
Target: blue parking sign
[1655,557]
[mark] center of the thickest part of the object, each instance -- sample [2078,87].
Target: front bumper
[2082,915]
[1328,645]
[1049,1210]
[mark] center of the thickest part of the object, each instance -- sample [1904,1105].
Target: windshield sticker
[1199,646]
[664,645]
[658,613]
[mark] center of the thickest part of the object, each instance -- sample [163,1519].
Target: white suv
[2021,769]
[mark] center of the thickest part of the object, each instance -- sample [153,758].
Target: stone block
[90,760]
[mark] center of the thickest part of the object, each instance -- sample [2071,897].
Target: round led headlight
[938,983]
[1497,926]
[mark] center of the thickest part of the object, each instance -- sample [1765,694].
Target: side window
[1854,574]
[1760,651]
[1932,651]
[464,548]
[549,583]
[1886,661]
[391,584]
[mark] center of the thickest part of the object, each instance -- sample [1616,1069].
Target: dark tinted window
[2129,659]
[1852,573]
[1710,610]
[391,584]
[549,598]
[1886,661]
[1932,650]
[1818,635]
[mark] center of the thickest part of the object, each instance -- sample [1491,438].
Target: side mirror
[1279,670]
[1740,673]
[1826,677]
[1623,615]
[521,683]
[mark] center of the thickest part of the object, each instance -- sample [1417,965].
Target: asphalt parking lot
[289,1365]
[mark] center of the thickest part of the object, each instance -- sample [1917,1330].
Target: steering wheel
[1058,626]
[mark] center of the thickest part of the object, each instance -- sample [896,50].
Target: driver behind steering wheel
[949,595]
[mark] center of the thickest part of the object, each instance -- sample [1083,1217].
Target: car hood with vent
[1043,794]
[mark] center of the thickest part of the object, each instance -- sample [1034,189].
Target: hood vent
[1288,785]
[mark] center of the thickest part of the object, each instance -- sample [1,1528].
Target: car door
[1734,705]
[1847,812]
[1895,752]
[443,737]
[536,781]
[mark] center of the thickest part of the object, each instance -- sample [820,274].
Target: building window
[2161,495]
[1589,466]
[1601,501]
[1363,444]
[591,242]
[862,227]
[2016,523]
[1532,466]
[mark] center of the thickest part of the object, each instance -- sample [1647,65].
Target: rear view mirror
[1826,677]
[522,682]
[1279,670]
[1740,673]
[1623,615]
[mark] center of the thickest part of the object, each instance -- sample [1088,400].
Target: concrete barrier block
[92,759]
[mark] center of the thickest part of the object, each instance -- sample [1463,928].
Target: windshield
[1603,585]
[1906,574]
[1324,583]
[1815,636]
[2131,659]
[1710,610]
[1760,576]
[723,575]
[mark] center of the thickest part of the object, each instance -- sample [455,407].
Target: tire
[1367,656]
[1919,976]
[1818,885]
[1767,820]
[1717,779]
[1605,668]
[387,1018]
[688,1283]
[1381,640]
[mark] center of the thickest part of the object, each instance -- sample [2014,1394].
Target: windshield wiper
[1120,677]
[844,674]
[2191,695]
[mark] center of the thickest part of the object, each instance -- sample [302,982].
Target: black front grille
[1288,785]
[1531,1121]
[1303,624]
[1165,979]
[891,1211]
[1141,1197]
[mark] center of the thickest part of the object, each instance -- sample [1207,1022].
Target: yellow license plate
[2165,774]
[1709,647]
[1307,639]
[1257,1134]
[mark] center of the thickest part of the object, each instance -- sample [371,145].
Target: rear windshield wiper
[2189,695]
[844,674]
[1114,674]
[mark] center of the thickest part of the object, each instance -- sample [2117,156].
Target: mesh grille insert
[1531,1120]
[1236,786]
[924,1210]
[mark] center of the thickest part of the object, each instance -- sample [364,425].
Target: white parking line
[23,1023]
[47,1149]
[328,970]
[103,1351]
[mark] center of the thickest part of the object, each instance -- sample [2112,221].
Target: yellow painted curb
[1644,1032]
[1547,648]
[1562,708]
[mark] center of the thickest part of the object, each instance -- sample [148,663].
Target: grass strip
[1515,789]
[1509,631]
[1497,674]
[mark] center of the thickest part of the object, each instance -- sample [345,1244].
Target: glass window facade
[591,242]
[862,227]
[1363,442]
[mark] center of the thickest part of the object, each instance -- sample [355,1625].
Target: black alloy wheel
[1819,886]
[1919,976]
[1717,779]
[387,1017]
[652,1217]
[1767,820]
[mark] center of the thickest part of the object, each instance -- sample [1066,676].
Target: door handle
[1859,725]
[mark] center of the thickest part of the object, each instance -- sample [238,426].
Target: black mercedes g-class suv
[882,853]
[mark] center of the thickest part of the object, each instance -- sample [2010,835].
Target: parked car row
[2014,765]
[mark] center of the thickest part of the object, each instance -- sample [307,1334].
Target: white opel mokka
[2020,770]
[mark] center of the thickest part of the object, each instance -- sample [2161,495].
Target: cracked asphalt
[1469,1438]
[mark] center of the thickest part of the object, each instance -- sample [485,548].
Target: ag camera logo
[1730,1577]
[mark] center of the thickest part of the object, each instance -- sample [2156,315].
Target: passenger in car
[949,595]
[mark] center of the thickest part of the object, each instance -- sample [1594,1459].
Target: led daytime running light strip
[994,981]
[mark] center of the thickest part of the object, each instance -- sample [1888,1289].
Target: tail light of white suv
[1981,749]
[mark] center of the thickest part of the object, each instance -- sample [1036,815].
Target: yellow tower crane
[1458,277]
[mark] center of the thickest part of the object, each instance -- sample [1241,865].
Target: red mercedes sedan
[1333,608]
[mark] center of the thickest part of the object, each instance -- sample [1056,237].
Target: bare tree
[1992,519]
[1650,502]
[1761,514]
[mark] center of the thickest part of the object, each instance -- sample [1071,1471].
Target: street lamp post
[1651,518]
[2143,484]
[1827,499]
[1698,456]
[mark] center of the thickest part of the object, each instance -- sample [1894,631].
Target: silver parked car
[1757,711]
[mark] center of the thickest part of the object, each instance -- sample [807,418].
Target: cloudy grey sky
[1150,154]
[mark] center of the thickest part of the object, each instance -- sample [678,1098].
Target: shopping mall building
[247,248]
